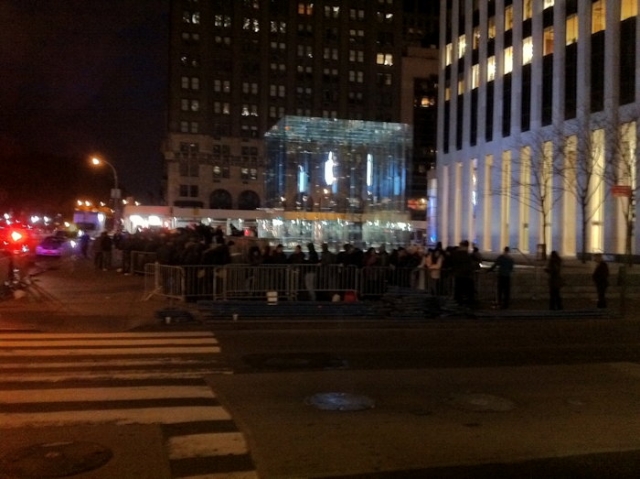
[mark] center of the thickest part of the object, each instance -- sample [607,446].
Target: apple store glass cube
[337,181]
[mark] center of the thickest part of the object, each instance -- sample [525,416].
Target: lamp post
[115,192]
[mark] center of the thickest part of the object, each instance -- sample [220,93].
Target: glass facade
[337,181]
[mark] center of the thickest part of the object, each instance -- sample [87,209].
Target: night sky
[87,77]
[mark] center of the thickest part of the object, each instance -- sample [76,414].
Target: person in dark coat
[462,267]
[601,279]
[504,264]
[554,270]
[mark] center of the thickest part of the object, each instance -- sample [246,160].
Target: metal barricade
[238,281]
[322,282]
[289,282]
[164,280]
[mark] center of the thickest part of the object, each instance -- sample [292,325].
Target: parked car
[55,246]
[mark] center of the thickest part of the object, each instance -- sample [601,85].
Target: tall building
[539,115]
[238,67]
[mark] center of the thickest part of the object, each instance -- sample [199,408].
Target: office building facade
[539,114]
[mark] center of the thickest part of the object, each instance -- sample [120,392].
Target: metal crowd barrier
[286,282]
[164,280]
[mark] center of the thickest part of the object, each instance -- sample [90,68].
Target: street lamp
[115,192]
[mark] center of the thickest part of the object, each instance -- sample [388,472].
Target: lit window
[223,21]
[427,102]
[331,12]
[628,9]
[195,105]
[476,38]
[548,4]
[598,14]
[184,82]
[448,57]
[475,76]
[572,29]
[184,104]
[547,42]
[462,46]
[194,127]
[184,127]
[305,8]
[527,50]
[527,9]
[491,28]
[508,60]
[460,86]
[251,25]
[508,18]
[384,59]
[195,83]
[491,69]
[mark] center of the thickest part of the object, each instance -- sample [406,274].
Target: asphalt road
[469,399]
[454,398]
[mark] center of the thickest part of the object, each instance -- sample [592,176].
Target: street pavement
[163,407]
[70,295]
[81,396]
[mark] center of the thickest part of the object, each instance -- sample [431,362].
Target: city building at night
[539,111]
[237,68]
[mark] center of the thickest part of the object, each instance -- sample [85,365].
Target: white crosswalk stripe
[126,378]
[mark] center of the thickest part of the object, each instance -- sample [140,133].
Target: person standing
[601,279]
[433,263]
[463,269]
[504,264]
[554,270]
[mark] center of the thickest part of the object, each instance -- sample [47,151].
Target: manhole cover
[336,401]
[57,459]
[482,402]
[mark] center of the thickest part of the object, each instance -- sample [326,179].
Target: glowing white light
[329,178]
[101,217]
[369,169]
[155,220]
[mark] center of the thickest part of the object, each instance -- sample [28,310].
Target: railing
[287,282]
[164,280]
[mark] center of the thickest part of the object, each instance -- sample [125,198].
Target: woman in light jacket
[433,263]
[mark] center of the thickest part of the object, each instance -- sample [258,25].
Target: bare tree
[581,168]
[532,179]
[622,171]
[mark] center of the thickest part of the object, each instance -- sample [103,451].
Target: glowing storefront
[336,181]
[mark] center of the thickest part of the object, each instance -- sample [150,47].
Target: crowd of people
[443,270]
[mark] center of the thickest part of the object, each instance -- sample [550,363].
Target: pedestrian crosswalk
[49,380]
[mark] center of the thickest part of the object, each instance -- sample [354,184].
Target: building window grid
[305,8]
[385,59]
[222,21]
